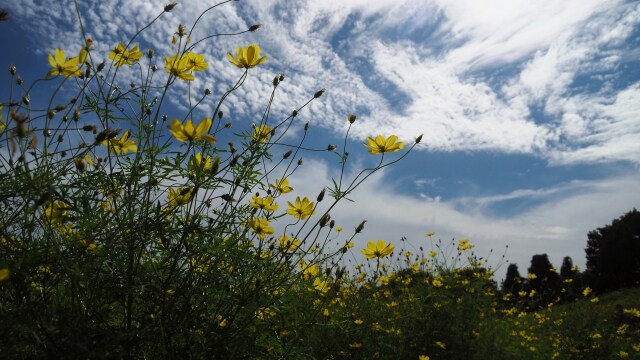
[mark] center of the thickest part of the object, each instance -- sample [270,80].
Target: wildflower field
[128,232]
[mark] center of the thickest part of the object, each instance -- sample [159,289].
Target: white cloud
[558,226]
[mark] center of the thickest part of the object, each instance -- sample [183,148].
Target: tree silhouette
[512,282]
[613,254]
[571,280]
[543,278]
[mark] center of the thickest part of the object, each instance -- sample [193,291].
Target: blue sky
[530,110]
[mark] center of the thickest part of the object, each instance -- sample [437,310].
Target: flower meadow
[128,232]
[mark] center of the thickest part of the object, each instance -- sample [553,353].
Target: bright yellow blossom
[321,285]
[179,197]
[423,357]
[261,133]
[261,227]
[532,276]
[281,186]
[441,345]
[196,62]
[302,208]
[183,67]
[60,65]
[122,145]
[265,204]
[380,145]
[188,132]
[196,163]
[248,57]
[56,212]
[122,56]
[586,291]
[4,274]
[288,244]
[377,249]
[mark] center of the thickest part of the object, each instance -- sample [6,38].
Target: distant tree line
[613,262]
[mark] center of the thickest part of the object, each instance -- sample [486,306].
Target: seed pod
[351,118]
[255,27]
[287,154]
[318,93]
[360,227]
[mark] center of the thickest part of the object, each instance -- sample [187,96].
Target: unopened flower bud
[419,139]
[65,118]
[170,6]
[80,165]
[60,107]
[276,81]
[324,220]
[332,223]
[207,91]
[234,161]
[100,66]
[165,117]
[351,118]
[331,147]
[87,73]
[89,128]
[306,126]
[300,162]
[287,154]
[320,196]
[12,70]
[76,115]
[360,227]
[150,53]
[318,93]
[60,138]
[25,100]
[281,77]
[220,114]
[227,125]
[181,30]
[51,114]
[255,27]
[19,80]
[294,113]
[215,166]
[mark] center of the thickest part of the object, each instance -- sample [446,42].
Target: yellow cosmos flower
[281,186]
[56,212]
[4,274]
[310,271]
[423,357]
[288,244]
[377,249]
[122,56]
[197,164]
[188,132]
[262,133]
[60,65]
[321,285]
[248,57]
[261,227]
[183,67]
[196,62]
[380,145]
[180,196]
[122,145]
[265,204]
[302,208]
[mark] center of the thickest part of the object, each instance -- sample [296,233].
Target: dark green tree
[613,254]
[545,280]
[571,280]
